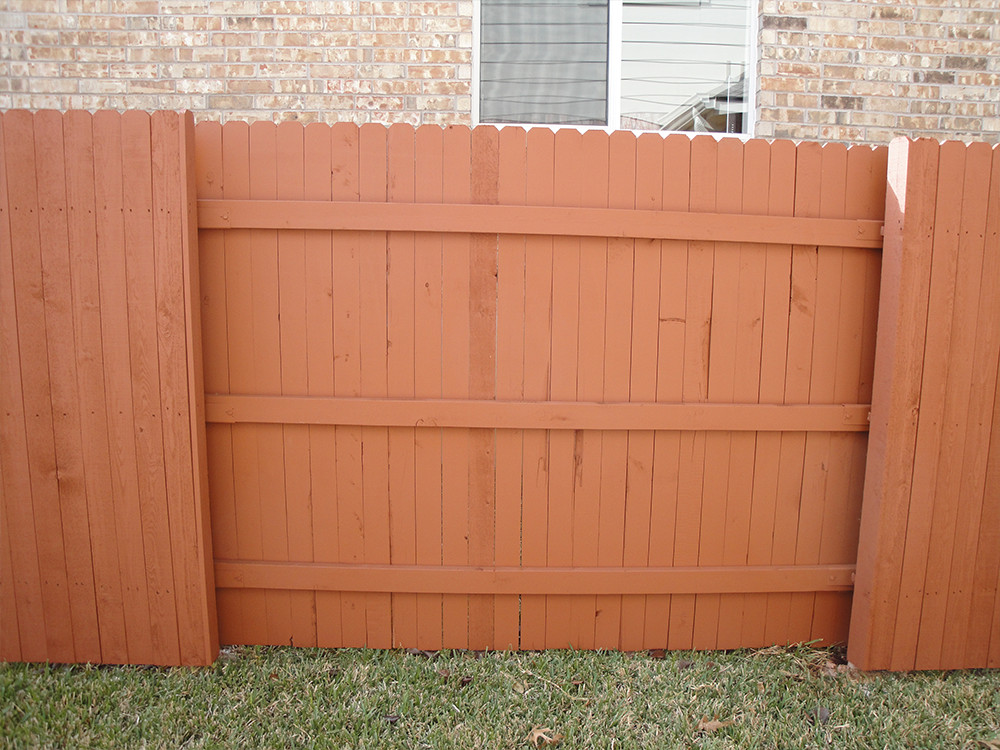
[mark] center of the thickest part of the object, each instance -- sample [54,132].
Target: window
[635,64]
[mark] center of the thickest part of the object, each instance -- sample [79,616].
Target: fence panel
[104,549]
[929,556]
[493,389]
[564,389]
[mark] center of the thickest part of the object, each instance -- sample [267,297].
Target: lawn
[283,697]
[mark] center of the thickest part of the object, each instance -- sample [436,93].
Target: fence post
[931,514]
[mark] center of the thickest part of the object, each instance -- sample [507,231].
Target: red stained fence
[591,390]
[927,594]
[104,546]
[491,389]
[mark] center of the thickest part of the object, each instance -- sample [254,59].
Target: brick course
[882,68]
[307,60]
[844,70]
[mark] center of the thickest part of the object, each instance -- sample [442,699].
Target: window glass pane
[684,64]
[544,61]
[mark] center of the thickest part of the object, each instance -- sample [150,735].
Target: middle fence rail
[508,389]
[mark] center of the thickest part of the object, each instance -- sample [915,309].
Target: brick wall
[843,70]
[242,59]
[847,70]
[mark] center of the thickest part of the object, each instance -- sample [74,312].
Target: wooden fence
[104,555]
[927,594]
[591,390]
[493,389]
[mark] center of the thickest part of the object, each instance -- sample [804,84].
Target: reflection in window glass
[684,65]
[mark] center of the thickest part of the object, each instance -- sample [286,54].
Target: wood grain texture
[928,477]
[400,300]
[427,381]
[103,553]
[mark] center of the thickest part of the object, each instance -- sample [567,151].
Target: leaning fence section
[103,539]
[508,389]
[929,562]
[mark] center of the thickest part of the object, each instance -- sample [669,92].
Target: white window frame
[614,102]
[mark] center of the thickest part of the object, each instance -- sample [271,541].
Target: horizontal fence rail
[536,220]
[535,415]
[428,579]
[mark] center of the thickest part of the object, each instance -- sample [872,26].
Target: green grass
[282,697]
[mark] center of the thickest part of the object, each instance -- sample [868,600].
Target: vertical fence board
[293,347]
[675,166]
[694,388]
[145,377]
[33,332]
[537,368]
[213,278]
[801,312]
[484,177]
[642,384]
[427,380]
[25,592]
[771,388]
[118,385]
[511,326]
[456,340]
[200,632]
[374,381]
[80,191]
[746,388]
[347,376]
[818,613]
[242,364]
[590,382]
[266,342]
[401,358]
[933,390]
[711,191]
[318,185]
[942,498]
[844,485]
[724,376]
[944,613]
[617,361]
[826,265]
[982,377]
[564,445]
[181,374]
[987,564]
[57,290]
